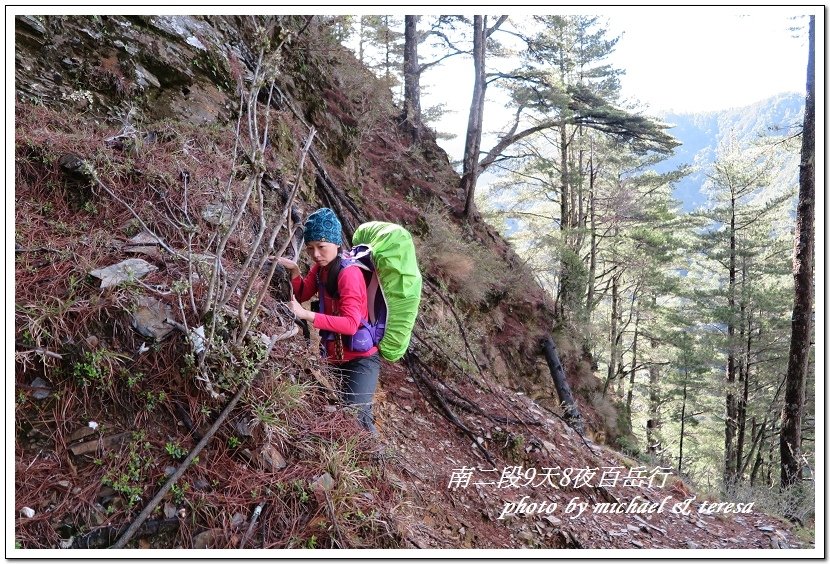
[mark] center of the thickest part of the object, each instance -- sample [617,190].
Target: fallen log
[100,538]
[563,390]
[136,524]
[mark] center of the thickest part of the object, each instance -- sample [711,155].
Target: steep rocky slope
[127,126]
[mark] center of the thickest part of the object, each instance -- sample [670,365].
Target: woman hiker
[344,305]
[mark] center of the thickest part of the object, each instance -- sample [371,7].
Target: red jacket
[342,315]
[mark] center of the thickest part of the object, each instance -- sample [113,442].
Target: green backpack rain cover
[393,255]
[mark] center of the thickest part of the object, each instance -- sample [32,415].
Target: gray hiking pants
[358,381]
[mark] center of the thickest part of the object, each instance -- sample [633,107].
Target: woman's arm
[305,288]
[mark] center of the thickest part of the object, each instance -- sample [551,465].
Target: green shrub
[797,503]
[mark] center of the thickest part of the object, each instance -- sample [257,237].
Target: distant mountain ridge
[701,133]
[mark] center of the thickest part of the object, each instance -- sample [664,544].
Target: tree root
[420,373]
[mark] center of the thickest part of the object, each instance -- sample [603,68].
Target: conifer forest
[616,340]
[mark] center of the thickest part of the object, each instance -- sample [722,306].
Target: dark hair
[331,280]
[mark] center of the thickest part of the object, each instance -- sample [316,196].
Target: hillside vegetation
[193,148]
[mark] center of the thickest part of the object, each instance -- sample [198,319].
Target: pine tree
[380,46]
[742,204]
[412,78]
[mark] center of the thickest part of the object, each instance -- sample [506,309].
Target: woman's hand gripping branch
[295,307]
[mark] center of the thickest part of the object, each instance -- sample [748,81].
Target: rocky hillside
[157,155]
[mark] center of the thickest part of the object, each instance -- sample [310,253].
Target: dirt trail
[458,500]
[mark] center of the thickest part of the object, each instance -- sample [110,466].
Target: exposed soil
[430,453]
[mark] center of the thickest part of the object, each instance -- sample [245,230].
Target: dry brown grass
[456,268]
[128,384]
[463,265]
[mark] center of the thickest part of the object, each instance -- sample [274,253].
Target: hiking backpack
[386,254]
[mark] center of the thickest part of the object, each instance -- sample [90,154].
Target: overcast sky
[701,59]
[685,59]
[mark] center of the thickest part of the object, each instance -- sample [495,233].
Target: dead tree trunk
[471,167]
[744,372]
[630,396]
[614,337]
[592,267]
[731,424]
[563,390]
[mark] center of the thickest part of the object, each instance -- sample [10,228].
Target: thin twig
[447,412]
[467,405]
[18,249]
[288,334]
[286,217]
[39,350]
[223,241]
[128,534]
[437,351]
[458,322]
[115,196]
[181,327]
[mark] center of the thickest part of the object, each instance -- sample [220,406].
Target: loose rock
[218,214]
[149,318]
[41,389]
[271,458]
[130,269]
[205,539]
[324,482]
